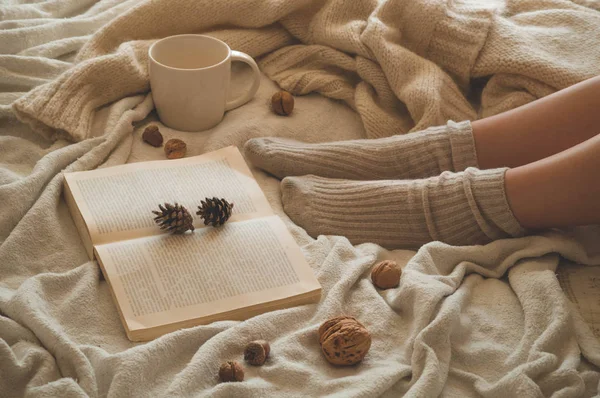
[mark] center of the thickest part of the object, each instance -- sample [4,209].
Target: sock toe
[269,154]
[257,151]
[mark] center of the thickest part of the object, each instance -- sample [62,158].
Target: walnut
[257,352]
[175,149]
[386,274]
[153,136]
[231,371]
[344,340]
[282,103]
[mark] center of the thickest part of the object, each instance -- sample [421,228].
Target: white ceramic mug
[190,77]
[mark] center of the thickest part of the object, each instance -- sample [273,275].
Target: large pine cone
[215,211]
[174,218]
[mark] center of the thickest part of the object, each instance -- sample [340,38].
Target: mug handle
[240,56]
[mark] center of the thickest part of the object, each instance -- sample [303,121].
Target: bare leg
[539,129]
[559,191]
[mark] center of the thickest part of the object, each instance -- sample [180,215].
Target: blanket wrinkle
[453,40]
[33,30]
[470,321]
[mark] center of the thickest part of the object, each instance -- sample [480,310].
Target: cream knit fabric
[402,65]
[422,154]
[471,321]
[466,208]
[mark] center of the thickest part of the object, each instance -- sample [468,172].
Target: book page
[166,279]
[116,203]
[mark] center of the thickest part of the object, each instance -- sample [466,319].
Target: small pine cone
[215,211]
[174,218]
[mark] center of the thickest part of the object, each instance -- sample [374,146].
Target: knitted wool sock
[415,155]
[463,208]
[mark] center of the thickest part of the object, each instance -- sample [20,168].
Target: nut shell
[231,371]
[257,352]
[152,136]
[282,103]
[175,149]
[386,274]
[344,340]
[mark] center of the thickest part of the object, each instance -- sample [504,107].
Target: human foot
[457,208]
[415,155]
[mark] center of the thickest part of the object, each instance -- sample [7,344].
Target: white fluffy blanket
[466,321]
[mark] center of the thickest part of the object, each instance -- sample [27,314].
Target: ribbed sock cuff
[462,145]
[487,199]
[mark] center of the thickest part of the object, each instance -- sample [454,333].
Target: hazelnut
[231,371]
[152,136]
[282,103]
[386,274]
[257,352]
[175,149]
[344,340]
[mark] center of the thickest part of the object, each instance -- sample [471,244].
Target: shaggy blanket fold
[466,321]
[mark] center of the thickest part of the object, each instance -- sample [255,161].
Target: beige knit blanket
[466,321]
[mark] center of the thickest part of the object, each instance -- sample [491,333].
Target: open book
[162,282]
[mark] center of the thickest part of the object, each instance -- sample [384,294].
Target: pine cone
[215,211]
[174,218]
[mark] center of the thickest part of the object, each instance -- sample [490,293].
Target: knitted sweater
[402,65]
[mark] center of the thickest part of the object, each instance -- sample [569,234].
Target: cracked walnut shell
[231,371]
[257,352]
[282,103]
[344,340]
[386,274]
[175,149]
